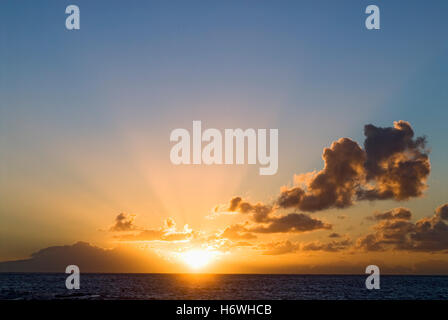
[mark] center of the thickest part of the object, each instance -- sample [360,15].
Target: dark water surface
[231,287]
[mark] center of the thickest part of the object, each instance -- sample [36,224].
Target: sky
[86,116]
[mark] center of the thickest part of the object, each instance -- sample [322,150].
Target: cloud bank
[88,258]
[395,231]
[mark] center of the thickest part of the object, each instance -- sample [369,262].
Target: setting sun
[197,259]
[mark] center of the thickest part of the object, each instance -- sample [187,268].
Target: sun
[197,259]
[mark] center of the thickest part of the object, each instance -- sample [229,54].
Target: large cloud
[396,163]
[392,165]
[335,185]
[427,234]
[88,258]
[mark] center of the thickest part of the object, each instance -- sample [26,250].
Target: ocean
[46,286]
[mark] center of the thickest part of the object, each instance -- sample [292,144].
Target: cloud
[397,213]
[237,232]
[278,248]
[396,163]
[442,211]
[333,246]
[266,221]
[335,185]
[123,222]
[392,165]
[259,211]
[334,235]
[292,222]
[168,232]
[88,258]
[427,234]
[285,247]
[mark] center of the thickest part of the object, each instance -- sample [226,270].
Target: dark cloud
[293,222]
[88,258]
[442,211]
[123,222]
[430,234]
[290,223]
[392,165]
[335,185]
[397,163]
[334,235]
[397,213]
[427,234]
[266,221]
[259,211]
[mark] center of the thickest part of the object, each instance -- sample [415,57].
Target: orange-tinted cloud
[265,220]
[278,248]
[427,234]
[291,223]
[397,213]
[332,246]
[259,211]
[124,222]
[334,235]
[166,233]
[237,232]
[285,247]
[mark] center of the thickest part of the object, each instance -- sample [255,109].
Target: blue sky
[138,69]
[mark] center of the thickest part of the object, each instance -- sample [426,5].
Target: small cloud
[334,235]
[168,232]
[259,212]
[397,213]
[123,222]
